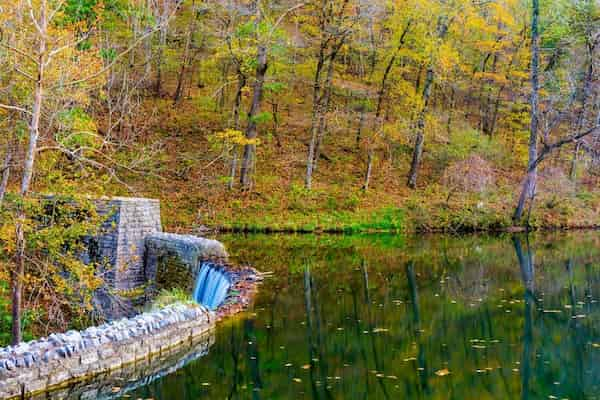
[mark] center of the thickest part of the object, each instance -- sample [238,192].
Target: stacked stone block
[187,250]
[61,359]
[120,245]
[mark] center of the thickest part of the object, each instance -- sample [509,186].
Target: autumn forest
[289,116]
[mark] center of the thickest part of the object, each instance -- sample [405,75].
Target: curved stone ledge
[174,261]
[190,249]
[116,384]
[62,359]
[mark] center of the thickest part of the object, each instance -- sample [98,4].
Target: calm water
[383,317]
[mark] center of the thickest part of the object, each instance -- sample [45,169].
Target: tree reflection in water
[383,317]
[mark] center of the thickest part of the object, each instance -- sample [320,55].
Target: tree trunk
[162,42]
[582,120]
[370,157]
[573,171]
[420,138]
[451,111]
[324,107]
[185,61]
[315,117]
[34,129]
[252,130]
[236,125]
[379,108]
[5,172]
[529,185]
[361,124]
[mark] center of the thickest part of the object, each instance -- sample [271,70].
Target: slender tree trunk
[6,172]
[574,160]
[420,137]
[451,111]
[317,88]
[275,112]
[378,110]
[162,43]
[325,107]
[148,47]
[582,120]
[361,125]
[489,117]
[252,130]
[418,78]
[185,61]
[370,157]
[528,187]
[34,129]
[236,125]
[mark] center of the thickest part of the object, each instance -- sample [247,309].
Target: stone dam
[136,257]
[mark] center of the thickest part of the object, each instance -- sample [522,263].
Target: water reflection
[415,318]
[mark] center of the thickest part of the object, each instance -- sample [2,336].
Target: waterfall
[211,287]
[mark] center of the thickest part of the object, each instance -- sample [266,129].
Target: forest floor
[191,179]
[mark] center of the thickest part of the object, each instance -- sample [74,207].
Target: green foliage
[56,232]
[168,297]
[6,318]
[262,117]
[108,55]
[78,129]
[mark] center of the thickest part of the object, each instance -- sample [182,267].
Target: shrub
[472,175]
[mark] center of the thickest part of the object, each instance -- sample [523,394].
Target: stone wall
[120,245]
[118,383]
[62,359]
[171,254]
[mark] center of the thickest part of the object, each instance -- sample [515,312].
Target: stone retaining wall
[189,250]
[118,383]
[62,359]
[174,260]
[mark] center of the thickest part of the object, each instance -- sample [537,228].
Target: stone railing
[63,359]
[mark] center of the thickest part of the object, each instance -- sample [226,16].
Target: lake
[392,317]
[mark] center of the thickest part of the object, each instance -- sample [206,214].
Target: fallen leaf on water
[378,330]
[116,389]
[410,359]
[297,380]
[442,372]
[306,366]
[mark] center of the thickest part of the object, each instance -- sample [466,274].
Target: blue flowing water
[211,287]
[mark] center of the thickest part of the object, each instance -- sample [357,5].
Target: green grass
[384,220]
[171,296]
